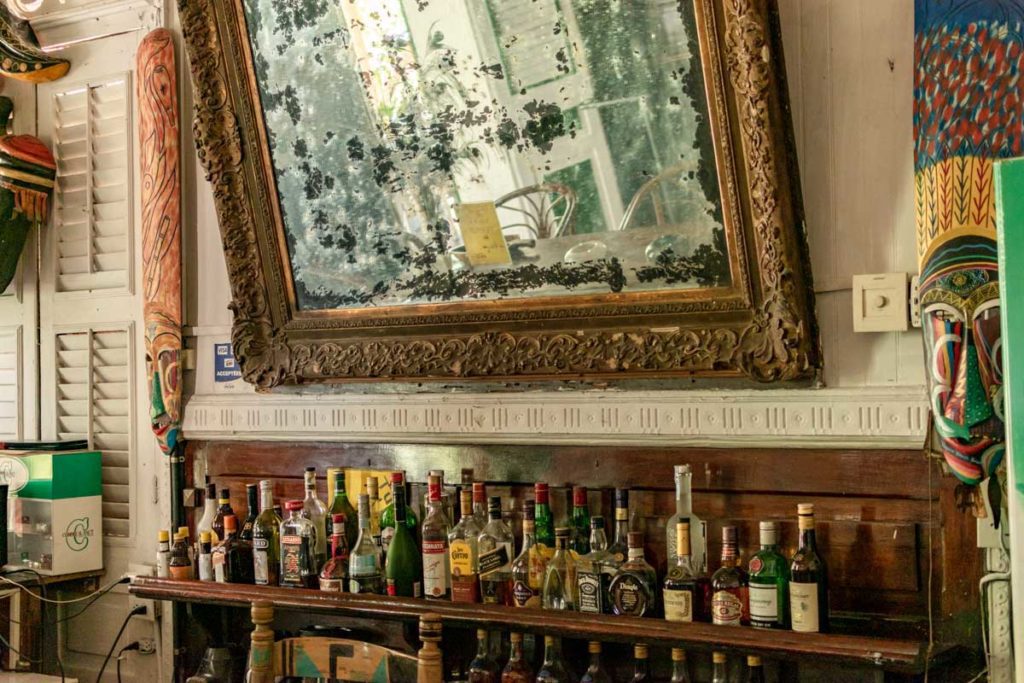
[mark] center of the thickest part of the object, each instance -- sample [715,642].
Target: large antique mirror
[504,189]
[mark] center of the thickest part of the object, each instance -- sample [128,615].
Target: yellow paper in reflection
[481,233]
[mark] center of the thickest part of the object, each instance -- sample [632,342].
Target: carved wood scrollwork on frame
[758,325]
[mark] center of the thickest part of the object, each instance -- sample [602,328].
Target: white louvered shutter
[93,195]
[94,402]
[10,389]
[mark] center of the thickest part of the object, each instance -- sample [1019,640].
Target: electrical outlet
[151,607]
[147,646]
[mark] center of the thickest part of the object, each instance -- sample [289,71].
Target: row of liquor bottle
[571,567]
[556,668]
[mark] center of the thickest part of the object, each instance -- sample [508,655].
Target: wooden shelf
[884,654]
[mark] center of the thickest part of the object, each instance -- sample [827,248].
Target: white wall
[851,87]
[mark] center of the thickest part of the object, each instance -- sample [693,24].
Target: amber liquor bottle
[517,670]
[634,590]
[729,605]
[681,593]
[808,587]
[232,559]
[483,669]
[223,510]
[527,583]
[554,669]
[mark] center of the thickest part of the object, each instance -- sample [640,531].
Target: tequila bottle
[591,580]
[364,563]
[341,505]
[495,545]
[334,575]
[314,510]
[729,605]
[808,587]
[558,578]
[266,539]
[634,590]
[595,673]
[298,548]
[463,553]
[698,528]
[436,572]
[527,568]
[768,576]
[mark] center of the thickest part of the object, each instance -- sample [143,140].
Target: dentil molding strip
[868,418]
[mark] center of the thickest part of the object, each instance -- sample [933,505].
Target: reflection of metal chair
[654,190]
[540,214]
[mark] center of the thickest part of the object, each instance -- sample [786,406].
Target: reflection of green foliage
[580,177]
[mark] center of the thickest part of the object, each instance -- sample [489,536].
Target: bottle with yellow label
[528,567]
[463,553]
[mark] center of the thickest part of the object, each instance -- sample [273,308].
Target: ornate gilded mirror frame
[760,327]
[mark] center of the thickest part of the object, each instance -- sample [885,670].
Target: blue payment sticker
[225,367]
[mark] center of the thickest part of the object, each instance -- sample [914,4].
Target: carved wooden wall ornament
[756,323]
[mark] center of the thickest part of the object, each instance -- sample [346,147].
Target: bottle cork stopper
[481,634]
[678,654]
[163,535]
[753,660]
[205,536]
[562,531]
[516,637]
[805,509]
[640,651]
[594,647]
[549,640]
[718,657]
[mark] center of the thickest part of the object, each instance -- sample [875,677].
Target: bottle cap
[373,487]
[540,492]
[678,653]
[729,534]
[311,468]
[225,495]
[183,530]
[338,518]
[549,640]
[466,502]
[437,473]
[769,532]
[293,505]
[479,492]
[805,509]
[434,487]
[579,496]
[635,539]
[163,535]
[230,523]
[339,478]
[211,491]
[481,634]
[205,536]
[753,660]
[640,651]
[397,477]
[597,522]
[594,647]
[562,531]
[179,537]
[516,637]
[251,487]
[494,503]
[266,485]
[681,469]
[718,657]
[622,498]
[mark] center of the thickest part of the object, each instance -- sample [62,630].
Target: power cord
[42,621]
[120,655]
[138,609]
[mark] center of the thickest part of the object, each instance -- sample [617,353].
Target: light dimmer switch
[880,302]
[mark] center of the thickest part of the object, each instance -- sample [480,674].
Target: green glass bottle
[341,505]
[403,570]
[768,582]
[579,540]
[387,517]
[266,540]
[543,520]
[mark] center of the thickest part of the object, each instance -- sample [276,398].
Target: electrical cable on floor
[18,652]
[42,621]
[140,609]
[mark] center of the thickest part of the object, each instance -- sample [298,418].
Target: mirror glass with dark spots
[428,151]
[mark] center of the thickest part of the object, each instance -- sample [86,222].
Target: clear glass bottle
[340,504]
[266,539]
[595,673]
[403,567]
[223,510]
[527,583]
[435,529]
[698,528]
[483,669]
[634,590]
[719,668]
[729,603]
[591,580]
[768,577]
[680,674]
[641,667]
[681,593]
[252,511]
[579,538]
[517,670]
[808,587]
[495,545]
[755,671]
[334,574]
[543,520]
[365,564]
[480,503]
[163,554]
[463,553]
[298,548]
[205,556]
[373,491]
[553,670]
[558,579]
[205,522]
[315,511]
[387,517]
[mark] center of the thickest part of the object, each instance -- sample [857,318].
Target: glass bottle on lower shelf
[634,590]
[768,578]
[334,575]
[298,548]
[641,667]
[755,671]
[517,670]
[554,669]
[808,587]
[729,606]
[680,674]
[596,673]
[483,669]
[364,562]
[558,577]
[719,668]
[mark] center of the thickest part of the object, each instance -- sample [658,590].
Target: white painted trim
[58,29]
[858,418]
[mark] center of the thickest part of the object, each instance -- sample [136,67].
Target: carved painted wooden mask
[960,319]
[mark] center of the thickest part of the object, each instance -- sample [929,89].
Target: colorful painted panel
[385,116]
[161,232]
[967,113]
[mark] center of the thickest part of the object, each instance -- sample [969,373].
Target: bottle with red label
[334,575]
[298,548]
[729,605]
[436,527]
